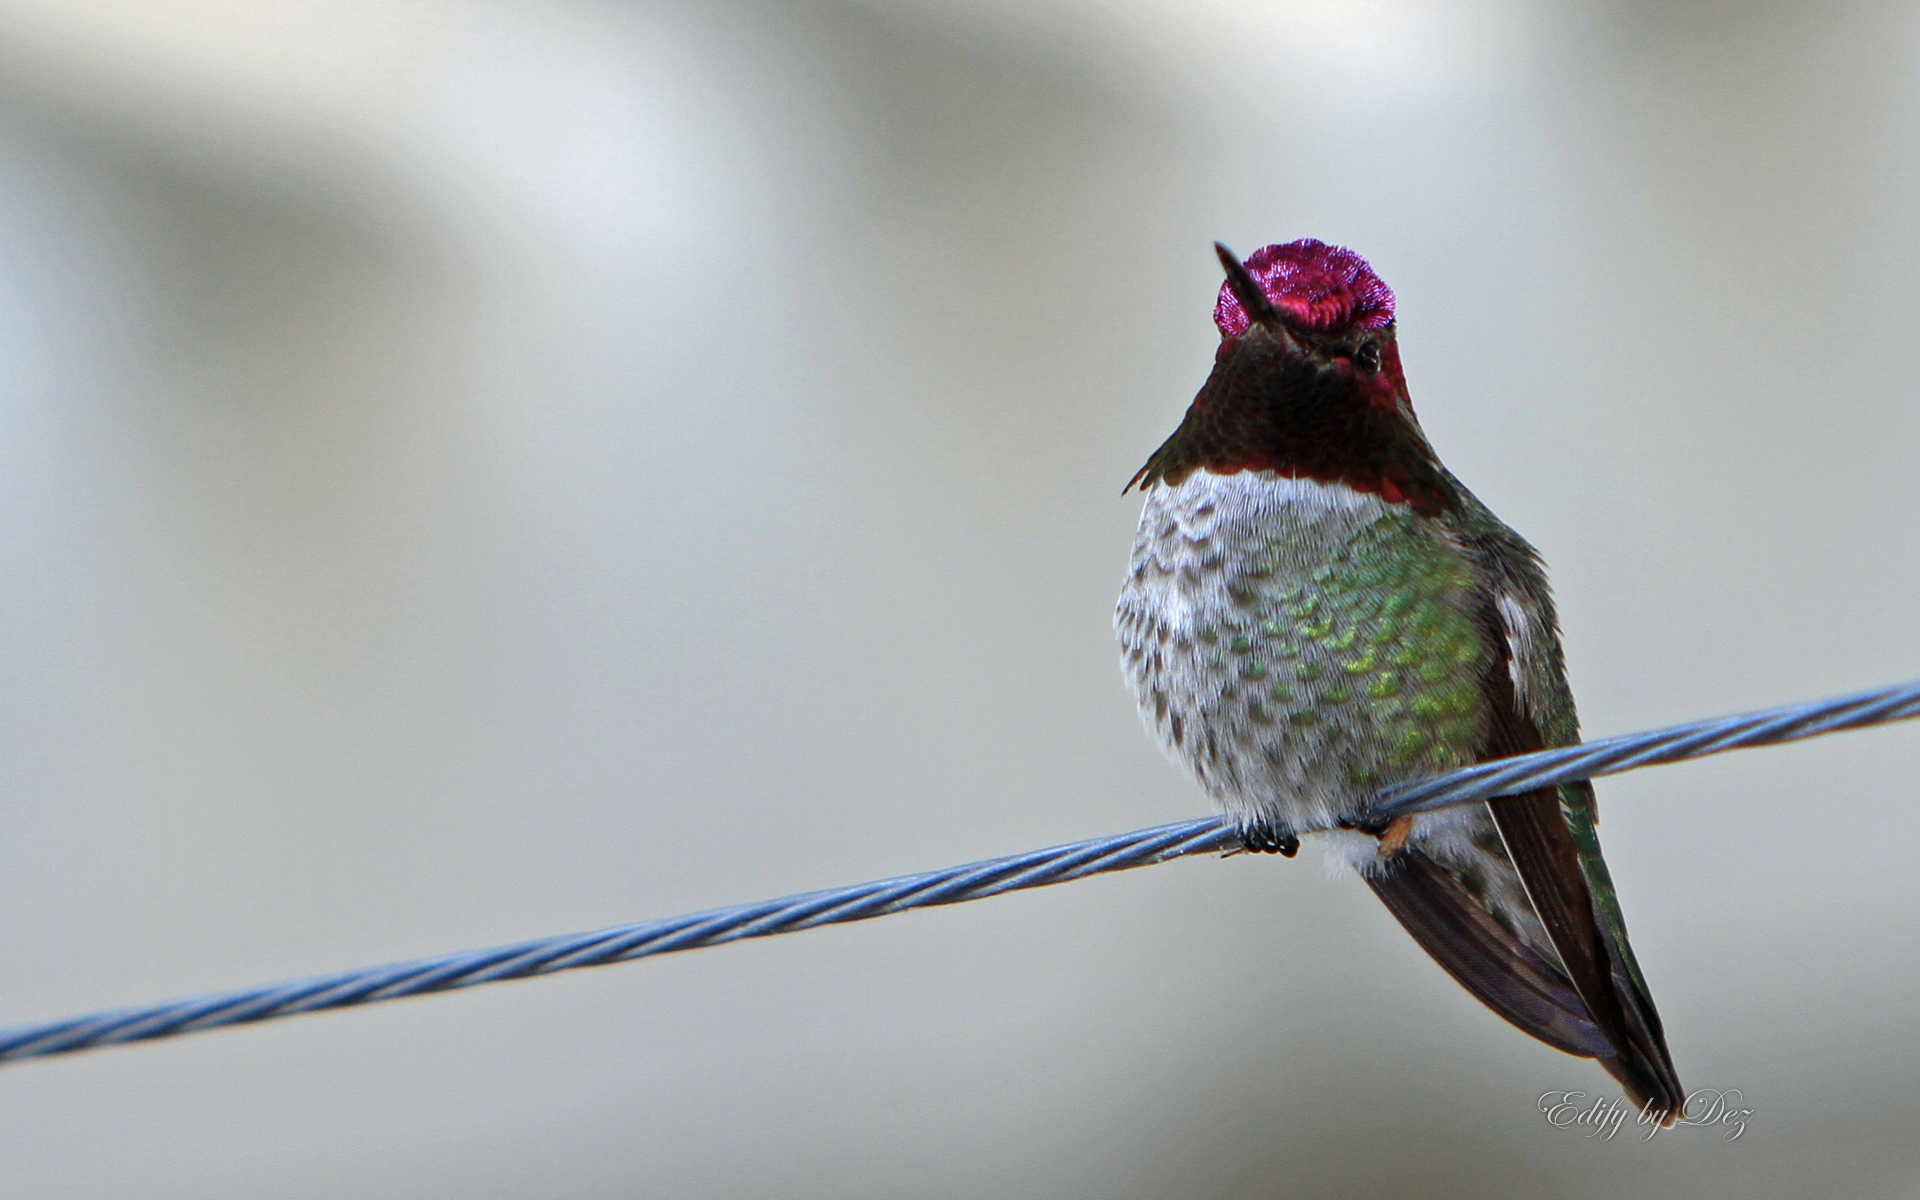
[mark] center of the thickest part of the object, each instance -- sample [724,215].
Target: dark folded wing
[1559,881]
[1542,848]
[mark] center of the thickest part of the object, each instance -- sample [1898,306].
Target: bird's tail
[1531,992]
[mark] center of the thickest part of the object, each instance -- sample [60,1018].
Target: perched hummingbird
[1318,609]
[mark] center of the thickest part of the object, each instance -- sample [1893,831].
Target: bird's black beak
[1246,288]
[1259,309]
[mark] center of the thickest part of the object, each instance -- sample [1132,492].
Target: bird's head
[1306,382]
[1316,305]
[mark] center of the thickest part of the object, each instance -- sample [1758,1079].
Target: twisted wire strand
[953,885]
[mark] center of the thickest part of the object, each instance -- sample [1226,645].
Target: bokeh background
[473,470]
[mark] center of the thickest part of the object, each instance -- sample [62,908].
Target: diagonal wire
[954,885]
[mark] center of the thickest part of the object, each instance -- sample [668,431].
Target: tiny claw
[1394,838]
[1263,838]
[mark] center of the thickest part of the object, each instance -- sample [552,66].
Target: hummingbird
[1316,609]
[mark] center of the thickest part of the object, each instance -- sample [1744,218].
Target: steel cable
[954,885]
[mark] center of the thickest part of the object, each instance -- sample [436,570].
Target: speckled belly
[1298,645]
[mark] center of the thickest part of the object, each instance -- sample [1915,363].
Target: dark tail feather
[1501,971]
[1542,848]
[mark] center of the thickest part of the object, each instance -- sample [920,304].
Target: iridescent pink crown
[1320,287]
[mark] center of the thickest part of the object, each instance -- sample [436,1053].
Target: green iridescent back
[1375,641]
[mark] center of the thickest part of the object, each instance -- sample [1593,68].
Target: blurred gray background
[474,470]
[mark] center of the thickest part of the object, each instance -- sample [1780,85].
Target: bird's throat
[1265,410]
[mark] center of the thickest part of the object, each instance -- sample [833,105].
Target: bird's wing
[1551,838]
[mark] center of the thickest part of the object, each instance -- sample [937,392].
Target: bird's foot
[1262,838]
[1393,839]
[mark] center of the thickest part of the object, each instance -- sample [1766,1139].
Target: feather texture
[1317,609]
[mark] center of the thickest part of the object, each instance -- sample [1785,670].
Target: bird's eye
[1367,357]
